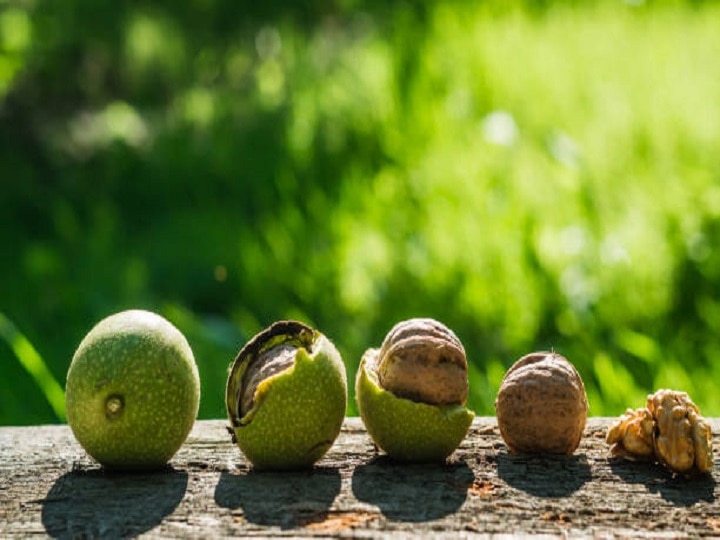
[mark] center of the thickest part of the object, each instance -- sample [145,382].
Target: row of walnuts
[411,393]
[286,397]
[542,408]
[541,405]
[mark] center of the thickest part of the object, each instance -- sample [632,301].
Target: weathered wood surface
[49,487]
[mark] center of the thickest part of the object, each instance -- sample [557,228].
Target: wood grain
[49,487]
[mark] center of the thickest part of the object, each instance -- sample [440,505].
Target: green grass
[574,232]
[33,363]
[536,177]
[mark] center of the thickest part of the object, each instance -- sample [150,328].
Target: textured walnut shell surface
[423,360]
[541,405]
[268,363]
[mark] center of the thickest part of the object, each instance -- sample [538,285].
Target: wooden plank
[49,487]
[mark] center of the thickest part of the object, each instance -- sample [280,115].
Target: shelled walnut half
[669,429]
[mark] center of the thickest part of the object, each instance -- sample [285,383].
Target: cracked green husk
[404,429]
[297,413]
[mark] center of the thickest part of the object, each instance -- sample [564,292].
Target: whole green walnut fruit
[286,396]
[411,392]
[132,391]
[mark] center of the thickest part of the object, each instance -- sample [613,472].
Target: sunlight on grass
[617,386]
[536,175]
[15,30]
[31,360]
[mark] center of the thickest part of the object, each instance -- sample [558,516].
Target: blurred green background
[536,175]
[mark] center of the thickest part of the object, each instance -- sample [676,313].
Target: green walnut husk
[296,413]
[406,429]
[133,391]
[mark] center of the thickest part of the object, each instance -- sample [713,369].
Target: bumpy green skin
[297,413]
[144,360]
[407,430]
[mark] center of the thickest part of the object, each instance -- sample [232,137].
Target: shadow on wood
[674,489]
[49,486]
[406,492]
[286,499]
[544,475]
[95,503]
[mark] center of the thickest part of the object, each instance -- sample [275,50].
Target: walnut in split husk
[286,396]
[411,392]
[541,405]
[669,429]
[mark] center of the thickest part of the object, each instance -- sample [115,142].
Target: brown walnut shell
[422,360]
[541,405]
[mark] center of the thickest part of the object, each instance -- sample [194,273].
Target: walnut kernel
[669,429]
[632,435]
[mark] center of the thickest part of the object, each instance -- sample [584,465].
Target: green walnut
[132,391]
[286,396]
[411,392]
